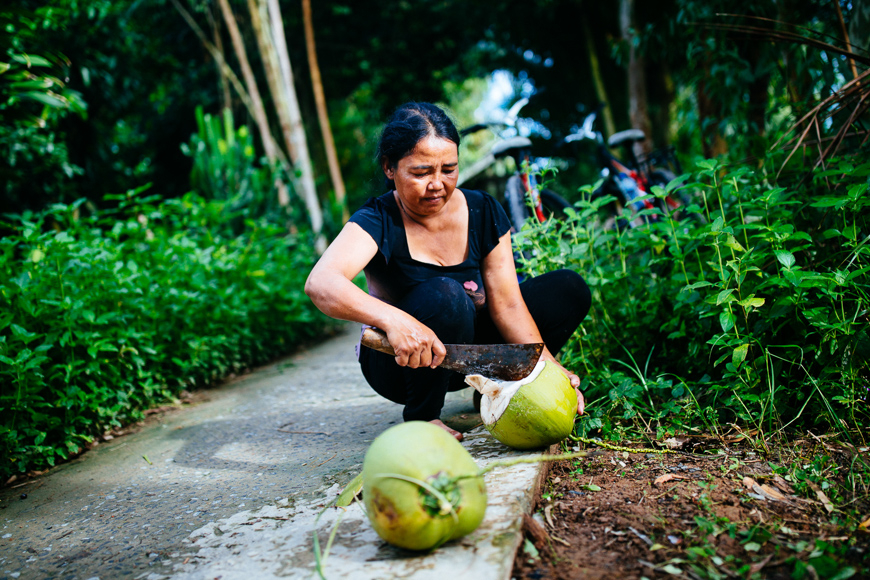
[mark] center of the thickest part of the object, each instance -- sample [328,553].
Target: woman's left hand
[575,382]
[509,311]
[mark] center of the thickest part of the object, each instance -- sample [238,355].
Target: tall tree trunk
[322,114]
[269,56]
[302,161]
[637,102]
[250,81]
[597,80]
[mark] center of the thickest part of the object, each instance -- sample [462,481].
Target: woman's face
[426,177]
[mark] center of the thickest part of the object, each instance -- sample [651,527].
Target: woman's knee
[575,289]
[566,288]
[558,301]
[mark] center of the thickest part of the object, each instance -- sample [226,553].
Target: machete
[507,362]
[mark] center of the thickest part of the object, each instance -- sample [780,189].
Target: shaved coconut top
[497,394]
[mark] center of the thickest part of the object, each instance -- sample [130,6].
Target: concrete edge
[532,503]
[275,542]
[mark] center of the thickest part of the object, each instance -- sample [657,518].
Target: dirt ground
[619,515]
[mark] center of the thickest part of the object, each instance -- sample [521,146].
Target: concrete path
[230,488]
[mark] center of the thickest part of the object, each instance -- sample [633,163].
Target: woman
[440,269]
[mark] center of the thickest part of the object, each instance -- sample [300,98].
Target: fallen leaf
[771,493]
[782,484]
[643,537]
[591,487]
[673,570]
[351,490]
[763,491]
[825,501]
[560,540]
[865,526]
[531,551]
[756,568]
[655,547]
[673,443]
[548,515]
[668,477]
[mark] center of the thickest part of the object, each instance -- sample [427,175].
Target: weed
[757,319]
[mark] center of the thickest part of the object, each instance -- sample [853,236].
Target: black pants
[558,301]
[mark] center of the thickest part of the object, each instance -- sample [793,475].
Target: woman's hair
[410,124]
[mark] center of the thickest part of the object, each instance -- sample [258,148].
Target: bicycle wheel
[517,208]
[554,204]
[515,202]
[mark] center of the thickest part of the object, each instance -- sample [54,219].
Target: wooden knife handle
[377,339]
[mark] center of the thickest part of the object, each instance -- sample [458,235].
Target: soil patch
[619,515]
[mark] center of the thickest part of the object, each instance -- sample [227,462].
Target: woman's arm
[330,287]
[508,309]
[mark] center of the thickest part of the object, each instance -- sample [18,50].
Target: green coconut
[412,496]
[534,412]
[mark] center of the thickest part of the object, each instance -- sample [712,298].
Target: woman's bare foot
[456,434]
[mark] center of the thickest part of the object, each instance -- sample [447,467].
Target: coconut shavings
[496,395]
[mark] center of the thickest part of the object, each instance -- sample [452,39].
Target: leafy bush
[104,315]
[758,317]
[226,167]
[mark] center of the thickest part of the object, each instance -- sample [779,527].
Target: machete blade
[506,362]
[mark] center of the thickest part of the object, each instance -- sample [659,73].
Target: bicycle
[523,198]
[629,181]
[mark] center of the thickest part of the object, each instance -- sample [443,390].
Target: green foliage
[757,317]
[140,71]
[226,167]
[33,101]
[107,314]
[27,78]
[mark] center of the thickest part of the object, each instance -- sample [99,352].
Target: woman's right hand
[415,344]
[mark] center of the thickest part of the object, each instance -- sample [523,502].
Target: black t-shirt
[393,270]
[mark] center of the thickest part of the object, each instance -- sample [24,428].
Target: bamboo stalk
[269,59]
[302,161]
[846,38]
[226,101]
[322,114]
[250,81]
